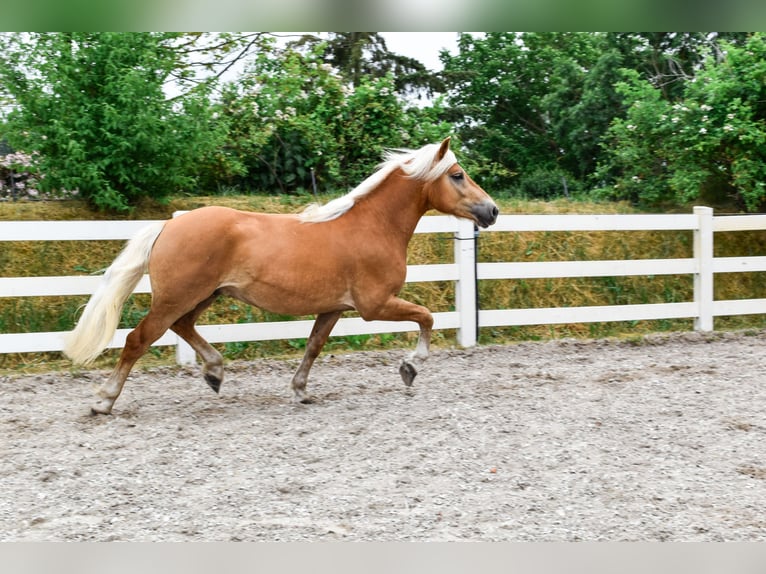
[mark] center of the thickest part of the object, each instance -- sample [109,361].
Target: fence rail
[463,270]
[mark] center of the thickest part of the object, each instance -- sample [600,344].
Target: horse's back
[215,224]
[218,216]
[195,248]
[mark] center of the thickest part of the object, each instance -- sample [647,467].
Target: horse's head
[454,192]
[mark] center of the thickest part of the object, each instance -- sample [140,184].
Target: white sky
[423,46]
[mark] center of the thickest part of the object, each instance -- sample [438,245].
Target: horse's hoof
[100,410]
[407,372]
[303,399]
[213,382]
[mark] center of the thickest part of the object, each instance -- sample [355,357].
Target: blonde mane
[418,164]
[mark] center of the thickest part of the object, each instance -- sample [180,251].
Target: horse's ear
[443,149]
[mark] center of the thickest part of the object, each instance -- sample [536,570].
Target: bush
[92,106]
[291,114]
[545,184]
[711,141]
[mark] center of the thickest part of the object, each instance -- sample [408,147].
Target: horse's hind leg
[212,361]
[138,341]
[319,334]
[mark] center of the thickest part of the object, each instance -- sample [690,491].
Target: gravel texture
[661,438]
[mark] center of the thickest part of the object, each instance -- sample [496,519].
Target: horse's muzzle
[485,213]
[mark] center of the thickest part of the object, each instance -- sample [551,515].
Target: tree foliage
[91,107]
[603,111]
[291,113]
[509,95]
[646,117]
[360,56]
[709,142]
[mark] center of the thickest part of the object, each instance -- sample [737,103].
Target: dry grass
[67,258]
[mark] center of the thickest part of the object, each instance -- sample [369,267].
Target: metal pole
[314,185]
[476,276]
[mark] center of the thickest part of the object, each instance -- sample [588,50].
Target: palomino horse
[348,254]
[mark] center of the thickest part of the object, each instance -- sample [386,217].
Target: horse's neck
[395,207]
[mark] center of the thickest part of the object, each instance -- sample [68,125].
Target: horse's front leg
[396,309]
[319,334]
[407,369]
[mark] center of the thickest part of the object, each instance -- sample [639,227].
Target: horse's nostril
[485,213]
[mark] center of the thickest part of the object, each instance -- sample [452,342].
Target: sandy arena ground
[658,439]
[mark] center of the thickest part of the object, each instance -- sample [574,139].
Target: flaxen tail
[101,316]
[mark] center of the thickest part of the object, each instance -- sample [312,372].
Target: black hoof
[407,372]
[213,382]
[301,398]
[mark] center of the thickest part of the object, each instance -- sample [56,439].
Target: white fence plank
[617,268]
[438,224]
[739,222]
[30,342]
[595,223]
[739,264]
[67,285]
[739,307]
[69,230]
[435,272]
[594,314]
[53,341]
[463,271]
[278,330]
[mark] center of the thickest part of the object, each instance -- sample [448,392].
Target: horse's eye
[458,176]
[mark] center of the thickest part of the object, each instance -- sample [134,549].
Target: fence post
[465,287]
[703,278]
[185,355]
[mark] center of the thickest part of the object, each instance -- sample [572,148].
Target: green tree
[534,107]
[92,107]
[710,143]
[285,117]
[361,56]
[581,105]
[669,59]
[509,94]
[291,113]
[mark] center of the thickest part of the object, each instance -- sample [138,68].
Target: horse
[349,254]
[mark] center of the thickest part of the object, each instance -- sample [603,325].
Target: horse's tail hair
[101,316]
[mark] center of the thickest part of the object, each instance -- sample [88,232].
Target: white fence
[464,271]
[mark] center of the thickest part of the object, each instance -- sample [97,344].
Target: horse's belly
[292,299]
